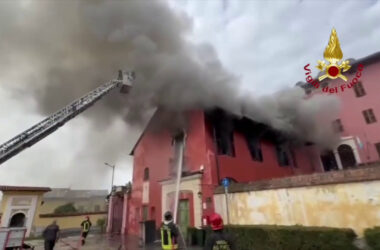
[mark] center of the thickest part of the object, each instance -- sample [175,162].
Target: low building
[37,207]
[20,205]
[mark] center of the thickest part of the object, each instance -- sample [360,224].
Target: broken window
[359,89]
[337,125]
[282,155]
[369,116]
[177,142]
[225,142]
[254,147]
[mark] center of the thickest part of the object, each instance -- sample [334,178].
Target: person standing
[170,234]
[86,225]
[50,235]
[218,239]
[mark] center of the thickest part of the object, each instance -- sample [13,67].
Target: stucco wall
[353,205]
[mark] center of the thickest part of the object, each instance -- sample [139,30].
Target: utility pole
[113,172]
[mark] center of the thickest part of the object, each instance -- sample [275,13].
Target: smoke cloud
[71,47]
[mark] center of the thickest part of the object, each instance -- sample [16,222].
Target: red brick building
[217,145]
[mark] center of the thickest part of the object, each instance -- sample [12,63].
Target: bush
[372,237]
[265,237]
[65,209]
[101,224]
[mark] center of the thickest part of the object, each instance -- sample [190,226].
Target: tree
[66,209]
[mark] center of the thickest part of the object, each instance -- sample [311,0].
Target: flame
[333,52]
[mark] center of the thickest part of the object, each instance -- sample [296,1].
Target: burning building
[217,145]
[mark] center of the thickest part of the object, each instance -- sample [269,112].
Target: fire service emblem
[333,54]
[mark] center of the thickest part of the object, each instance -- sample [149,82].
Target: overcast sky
[265,43]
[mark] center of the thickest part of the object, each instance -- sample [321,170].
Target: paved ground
[99,242]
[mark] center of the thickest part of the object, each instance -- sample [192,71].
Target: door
[329,161]
[347,156]
[184,216]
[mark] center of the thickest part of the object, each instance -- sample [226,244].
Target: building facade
[358,121]
[217,145]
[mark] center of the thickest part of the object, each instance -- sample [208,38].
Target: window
[369,116]
[225,142]
[378,148]
[359,89]
[282,155]
[146,174]
[294,159]
[337,125]
[145,213]
[254,147]
[177,143]
[97,208]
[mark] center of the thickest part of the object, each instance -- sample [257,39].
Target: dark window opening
[294,160]
[282,155]
[146,174]
[177,142]
[225,142]
[346,155]
[254,147]
[338,126]
[359,89]
[378,148]
[369,116]
[329,161]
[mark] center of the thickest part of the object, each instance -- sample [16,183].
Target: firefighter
[169,232]
[86,225]
[219,240]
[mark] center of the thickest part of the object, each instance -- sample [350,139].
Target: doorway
[17,220]
[329,161]
[346,155]
[184,216]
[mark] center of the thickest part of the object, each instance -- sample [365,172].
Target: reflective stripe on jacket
[167,240]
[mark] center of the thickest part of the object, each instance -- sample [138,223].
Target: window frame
[369,116]
[359,89]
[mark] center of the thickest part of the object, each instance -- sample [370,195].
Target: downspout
[216,155]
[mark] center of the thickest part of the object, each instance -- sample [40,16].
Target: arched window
[346,155]
[146,174]
[17,220]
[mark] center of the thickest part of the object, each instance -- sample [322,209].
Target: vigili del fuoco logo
[333,69]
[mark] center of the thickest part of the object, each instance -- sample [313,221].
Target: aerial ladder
[47,126]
